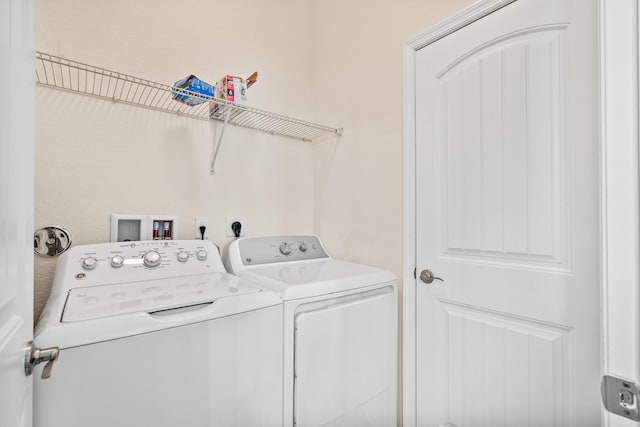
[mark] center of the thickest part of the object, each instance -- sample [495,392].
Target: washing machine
[340,330]
[156,334]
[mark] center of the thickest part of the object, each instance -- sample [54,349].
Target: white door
[507,214]
[16,209]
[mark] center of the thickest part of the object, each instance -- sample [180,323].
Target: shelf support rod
[217,149]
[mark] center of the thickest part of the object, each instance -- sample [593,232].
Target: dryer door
[345,364]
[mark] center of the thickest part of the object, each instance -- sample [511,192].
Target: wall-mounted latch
[620,397]
[34,356]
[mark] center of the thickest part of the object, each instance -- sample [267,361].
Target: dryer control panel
[272,249]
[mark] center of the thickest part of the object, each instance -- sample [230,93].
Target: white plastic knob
[202,255]
[89,263]
[117,261]
[182,256]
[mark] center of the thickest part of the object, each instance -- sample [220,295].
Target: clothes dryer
[340,330]
[158,334]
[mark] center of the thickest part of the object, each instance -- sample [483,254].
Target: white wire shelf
[72,76]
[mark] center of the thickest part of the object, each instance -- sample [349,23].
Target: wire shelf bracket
[76,77]
[217,147]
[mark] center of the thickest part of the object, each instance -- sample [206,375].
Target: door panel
[502,195]
[16,209]
[507,214]
[503,366]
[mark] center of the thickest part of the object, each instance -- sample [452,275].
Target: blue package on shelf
[192,84]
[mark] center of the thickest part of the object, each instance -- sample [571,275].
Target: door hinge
[620,396]
[34,356]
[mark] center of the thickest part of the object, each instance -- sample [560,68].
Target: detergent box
[192,84]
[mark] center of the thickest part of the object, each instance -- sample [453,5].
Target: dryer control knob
[202,255]
[285,248]
[89,263]
[117,261]
[152,259]
[182,256]
[303,247]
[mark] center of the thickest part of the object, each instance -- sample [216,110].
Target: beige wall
[335,62]
[332,61]
[95,158]
[357,63]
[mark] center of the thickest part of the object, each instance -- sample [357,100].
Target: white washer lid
[94,302]
[301,279]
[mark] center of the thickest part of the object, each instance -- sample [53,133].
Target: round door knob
[202,255]
[427,276]
[152,259]
[89,263]
[285,248]
[117,261]
[182,256]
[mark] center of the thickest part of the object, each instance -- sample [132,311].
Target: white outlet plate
[200,220]
[231,220]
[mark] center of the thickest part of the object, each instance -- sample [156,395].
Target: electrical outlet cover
[231,220]
[200,220]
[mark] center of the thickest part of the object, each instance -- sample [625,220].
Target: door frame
[620,192]
[619,185]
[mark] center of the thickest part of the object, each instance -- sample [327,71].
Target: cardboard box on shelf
[192,84]
[232,89]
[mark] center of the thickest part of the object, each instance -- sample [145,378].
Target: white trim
[408,241]
[472,13]
[620,191]
[463,18]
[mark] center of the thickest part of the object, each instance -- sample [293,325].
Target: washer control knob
[182,256]
[202,255]
[152,259]
[117,261]
[89,263]
[285,248]
[303,247]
